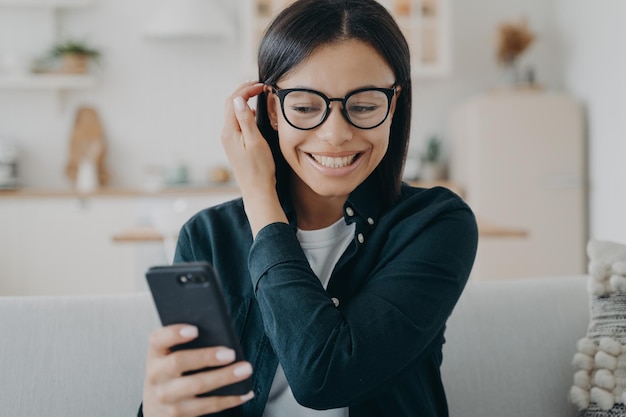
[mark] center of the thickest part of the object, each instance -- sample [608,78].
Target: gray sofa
[508,352]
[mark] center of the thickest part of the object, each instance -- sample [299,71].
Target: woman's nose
[336,129]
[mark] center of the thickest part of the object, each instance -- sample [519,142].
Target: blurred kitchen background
[520,105]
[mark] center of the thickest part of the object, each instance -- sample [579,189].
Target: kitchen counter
[183,190]
[149,234]
[119,192]
[486,229]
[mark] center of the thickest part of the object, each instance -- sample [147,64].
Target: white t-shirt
[322,248]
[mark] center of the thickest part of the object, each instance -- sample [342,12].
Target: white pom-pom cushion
[599,388]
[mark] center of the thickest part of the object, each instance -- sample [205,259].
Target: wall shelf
[47,82]
[121,192]
[53,4]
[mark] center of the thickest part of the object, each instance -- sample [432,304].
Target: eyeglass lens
[364,109]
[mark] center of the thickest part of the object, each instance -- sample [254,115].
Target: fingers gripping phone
[191,293]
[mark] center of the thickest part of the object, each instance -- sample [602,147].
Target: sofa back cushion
[510,344]
[73,356]
[508,351]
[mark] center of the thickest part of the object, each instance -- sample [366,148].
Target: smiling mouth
[334,162]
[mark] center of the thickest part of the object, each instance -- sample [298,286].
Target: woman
[339,277]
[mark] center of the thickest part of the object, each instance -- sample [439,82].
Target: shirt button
[360,237]
[335,301]
[349,211]
[370,221]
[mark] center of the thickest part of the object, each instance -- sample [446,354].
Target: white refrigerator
[519,156]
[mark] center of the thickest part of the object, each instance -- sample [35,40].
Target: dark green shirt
[378,351]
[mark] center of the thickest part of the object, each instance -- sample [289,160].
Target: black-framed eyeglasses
[365,108]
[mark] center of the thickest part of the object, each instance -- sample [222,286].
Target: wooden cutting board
[87,143]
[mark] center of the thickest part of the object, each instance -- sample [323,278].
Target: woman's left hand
[251,159]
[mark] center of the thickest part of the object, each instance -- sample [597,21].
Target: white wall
[161,101]
[474,27]
[595,65]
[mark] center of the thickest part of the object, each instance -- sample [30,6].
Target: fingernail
[189,331]
[240,105]
[242,370]
[247,397]
[225,355]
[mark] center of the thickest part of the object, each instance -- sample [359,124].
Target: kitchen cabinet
[425,24]
[62,243]
[519,156]
[61,246]
[48,4]
[50,82]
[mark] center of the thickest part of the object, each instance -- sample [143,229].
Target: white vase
[510,75]
[432,171]
[87,177]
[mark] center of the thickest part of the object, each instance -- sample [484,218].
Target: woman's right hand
[166,392]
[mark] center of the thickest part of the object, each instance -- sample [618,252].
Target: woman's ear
[272,107]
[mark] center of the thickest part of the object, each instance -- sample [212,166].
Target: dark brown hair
[306,25]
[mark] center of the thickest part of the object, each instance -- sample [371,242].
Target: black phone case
[191,293]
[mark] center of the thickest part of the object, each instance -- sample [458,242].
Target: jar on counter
[8,164]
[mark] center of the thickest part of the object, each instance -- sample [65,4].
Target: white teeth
[331,162]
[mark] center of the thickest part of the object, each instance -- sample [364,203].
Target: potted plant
[432,167]
[513,39]
[75,55]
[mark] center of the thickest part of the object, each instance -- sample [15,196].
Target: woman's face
[332,159]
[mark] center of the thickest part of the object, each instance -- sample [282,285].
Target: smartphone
[191,293]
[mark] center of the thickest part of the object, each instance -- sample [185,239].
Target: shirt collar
[363,203]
